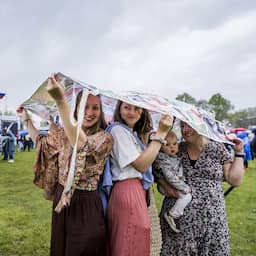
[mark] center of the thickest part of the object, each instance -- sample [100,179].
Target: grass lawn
[25,215]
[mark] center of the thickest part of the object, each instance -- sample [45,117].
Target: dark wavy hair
[142,127]
[101,123]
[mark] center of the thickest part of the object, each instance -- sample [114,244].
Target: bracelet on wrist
[154,137]
[239,155]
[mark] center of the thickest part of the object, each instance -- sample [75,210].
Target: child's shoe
[171,222]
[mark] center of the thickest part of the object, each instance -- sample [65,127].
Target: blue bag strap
[147,176]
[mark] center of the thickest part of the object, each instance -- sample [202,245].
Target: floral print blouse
[53,156]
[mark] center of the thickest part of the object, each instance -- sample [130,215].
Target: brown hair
[172,135]
[142,127]
[101,123]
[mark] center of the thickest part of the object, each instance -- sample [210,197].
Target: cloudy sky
[166,47]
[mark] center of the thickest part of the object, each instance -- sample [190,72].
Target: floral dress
[203,226]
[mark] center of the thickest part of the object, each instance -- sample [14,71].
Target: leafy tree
[204,104]
[185,97]
[237,119]
[220,106]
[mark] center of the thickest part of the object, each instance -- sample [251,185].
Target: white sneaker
[171,222]
[11,161]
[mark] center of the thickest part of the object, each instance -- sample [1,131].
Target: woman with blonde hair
[78,224]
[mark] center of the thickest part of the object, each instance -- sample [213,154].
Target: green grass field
[25,214]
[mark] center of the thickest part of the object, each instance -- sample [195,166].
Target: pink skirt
[128,220]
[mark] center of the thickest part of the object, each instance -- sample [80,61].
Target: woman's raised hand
[55,89]
[22,113]
[238,145]
[165,123]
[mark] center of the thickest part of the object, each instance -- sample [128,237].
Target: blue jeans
[5,151]
[11,154]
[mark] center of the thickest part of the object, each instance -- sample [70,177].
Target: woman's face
[92,111]
[130,114]
[188,133]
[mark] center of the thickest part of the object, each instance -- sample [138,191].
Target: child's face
[171,147]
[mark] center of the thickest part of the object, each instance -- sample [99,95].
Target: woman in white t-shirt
[128,219]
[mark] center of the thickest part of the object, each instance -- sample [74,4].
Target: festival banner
[41,104]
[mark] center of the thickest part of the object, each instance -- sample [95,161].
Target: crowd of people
[24,142]
[189,175]
[9,142]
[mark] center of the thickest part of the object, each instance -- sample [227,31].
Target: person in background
[253,144]
[11,145]
[203,226]
[243,135]
[20,143]
[78,223]
[5,144]
[8,144]
[128,218]
[26,142]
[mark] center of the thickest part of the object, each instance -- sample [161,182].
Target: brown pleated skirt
[80,228]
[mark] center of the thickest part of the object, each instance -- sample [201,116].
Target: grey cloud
[164,47]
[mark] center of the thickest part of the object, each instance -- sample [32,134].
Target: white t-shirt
[125,151]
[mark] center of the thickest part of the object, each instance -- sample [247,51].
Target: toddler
[170,165]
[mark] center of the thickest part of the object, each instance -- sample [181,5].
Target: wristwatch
[239,155]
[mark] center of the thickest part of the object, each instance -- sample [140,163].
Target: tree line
[223,110]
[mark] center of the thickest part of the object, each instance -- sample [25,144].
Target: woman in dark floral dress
[78,223]
[203,226]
